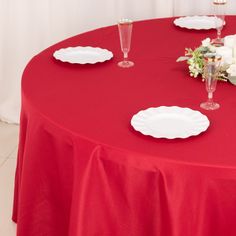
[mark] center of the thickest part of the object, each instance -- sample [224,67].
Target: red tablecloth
[83,171]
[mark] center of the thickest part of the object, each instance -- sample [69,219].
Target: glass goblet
[125,31]
[212,63]
[219,12]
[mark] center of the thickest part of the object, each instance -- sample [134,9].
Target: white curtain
[29,26]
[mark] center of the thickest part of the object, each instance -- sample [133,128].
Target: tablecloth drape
[82,170]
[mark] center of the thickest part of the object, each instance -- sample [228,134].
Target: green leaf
[203,49]
[232,79]
[182,59]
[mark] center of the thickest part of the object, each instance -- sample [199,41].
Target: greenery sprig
[195,61]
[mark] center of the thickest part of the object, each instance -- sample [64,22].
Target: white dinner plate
[170,122]
[198,22]
[83,55]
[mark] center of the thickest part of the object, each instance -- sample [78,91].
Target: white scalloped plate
[83,55]
[170,122]
[198,22]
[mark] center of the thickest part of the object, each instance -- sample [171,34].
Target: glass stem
[210,97]
[125,56]
[218,33]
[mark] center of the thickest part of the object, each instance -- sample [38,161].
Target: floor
[8,152]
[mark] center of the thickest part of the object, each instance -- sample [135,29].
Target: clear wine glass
[125,31]
[219,12]
[212,63]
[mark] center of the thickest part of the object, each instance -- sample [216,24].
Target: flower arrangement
[195,61]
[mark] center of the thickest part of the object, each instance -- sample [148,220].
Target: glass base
[218,42]
[125,64]
[210,105]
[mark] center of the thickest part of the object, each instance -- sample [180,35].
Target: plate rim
[134,119]
[57,54]
[195,16]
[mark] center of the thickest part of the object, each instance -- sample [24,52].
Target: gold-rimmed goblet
[212,63]
[125,27]
[219,13]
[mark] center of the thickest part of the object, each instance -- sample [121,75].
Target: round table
[84,171]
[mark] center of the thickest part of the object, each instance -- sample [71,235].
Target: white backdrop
[29,26]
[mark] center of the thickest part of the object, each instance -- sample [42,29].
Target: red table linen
[83,171]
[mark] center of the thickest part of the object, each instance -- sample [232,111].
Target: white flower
[226,53]
[232,70]
[234,60]
[206,42]
[228,60]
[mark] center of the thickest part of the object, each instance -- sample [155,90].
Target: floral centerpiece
[194,58]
